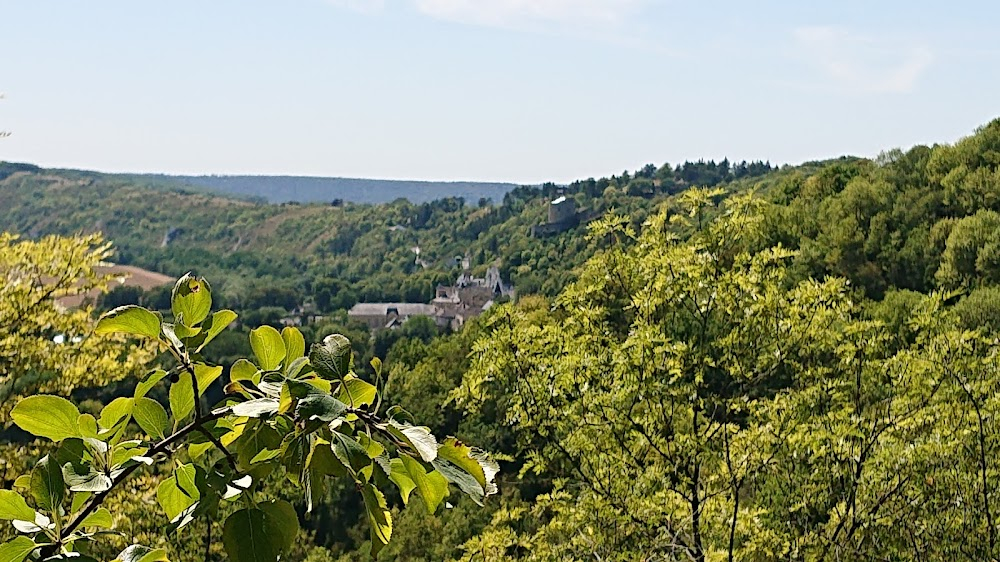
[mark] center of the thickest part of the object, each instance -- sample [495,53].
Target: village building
[563,216]
[452,305]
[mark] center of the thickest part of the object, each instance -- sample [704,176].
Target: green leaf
[101,518]
[116,411]
[431,486]
[356,392]
[243,370]
[249,535]
[13,507]
[196,450]
[47,484]
[297,366]
[265,455]
[471,461]
[191,300]
[465,481]
[88,426]
[47,416]
[379,518]
[252,442]
[139,553]
[182,331]
[151,417]
[16,550]
[301,389]
[89,481]
[268,347]
[295,344]
[401,478]
[349,452]
[282,521]
[182,396]
[129,319]
[92,481]
[332,358]
[322,460]
[79,498]
[147,383]
[215,325]
[206,376]
[179,492]
[321,407]
[127,450]
[74,451]
[256,408]
[419,438]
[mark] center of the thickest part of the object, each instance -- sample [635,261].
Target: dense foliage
[302,418]
[43,346]
[691,400]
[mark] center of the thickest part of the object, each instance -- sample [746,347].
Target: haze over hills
[307,189]
[297,189]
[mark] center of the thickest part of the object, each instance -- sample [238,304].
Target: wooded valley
[731,362]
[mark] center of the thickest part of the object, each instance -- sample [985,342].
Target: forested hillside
[733,362]
[333,254]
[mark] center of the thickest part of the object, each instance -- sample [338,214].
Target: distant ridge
[305,189]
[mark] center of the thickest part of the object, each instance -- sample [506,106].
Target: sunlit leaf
[117,410]
[268,347]
[242,370]
[147,383]
[129,319]
[16,550]
[151,417]
[182,396]
[13,506]
[431,486]
[215,325]
[356,392]
[401,478]
[379,518]
[191,299]
[295,344]
[101,519]
[47,416]
[179,492]
[206,375]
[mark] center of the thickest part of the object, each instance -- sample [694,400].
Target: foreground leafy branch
[305,418]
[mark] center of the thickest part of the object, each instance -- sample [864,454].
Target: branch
[161,447]
[218,445]
[208,539]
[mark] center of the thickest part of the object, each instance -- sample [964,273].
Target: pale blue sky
[511,90]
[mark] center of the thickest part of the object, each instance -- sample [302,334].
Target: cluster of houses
[452,305]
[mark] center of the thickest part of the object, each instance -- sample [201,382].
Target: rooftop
[382,309]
